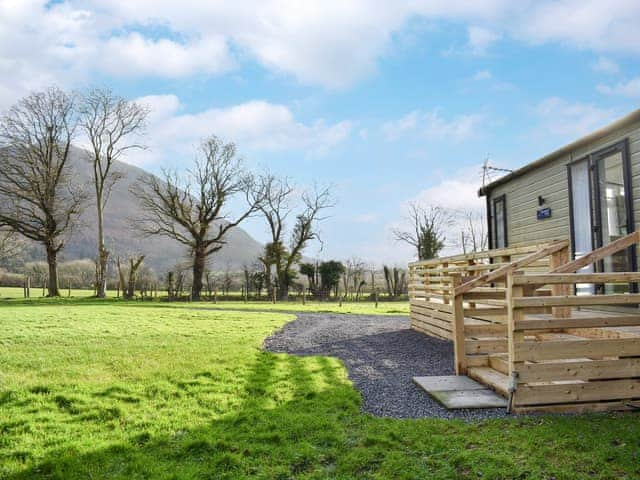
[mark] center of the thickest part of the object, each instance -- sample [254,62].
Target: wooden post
[69,288]
[558,259]
[28,287]
[459,352]
[376,296]
[513,337]
[445,297]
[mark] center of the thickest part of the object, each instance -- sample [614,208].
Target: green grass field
[94,390]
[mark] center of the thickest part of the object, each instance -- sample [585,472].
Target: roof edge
[591,137]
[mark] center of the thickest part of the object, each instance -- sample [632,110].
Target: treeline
[41,199]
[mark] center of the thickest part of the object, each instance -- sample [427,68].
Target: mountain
[162,254]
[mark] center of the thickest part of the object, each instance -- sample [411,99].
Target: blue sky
[388,102]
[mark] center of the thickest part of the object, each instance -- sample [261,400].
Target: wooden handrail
[511,267]
[519,249]
[599,253]
[571,278]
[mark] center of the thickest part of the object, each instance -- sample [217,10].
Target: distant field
[131,390]
[36,292]
[15,295]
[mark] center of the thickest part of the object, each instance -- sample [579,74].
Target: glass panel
[613,212]
[499,223]
[582,231]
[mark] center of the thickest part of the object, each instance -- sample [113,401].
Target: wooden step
[500,362]
[493,379]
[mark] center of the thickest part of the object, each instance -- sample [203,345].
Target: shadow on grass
[297,417]
[288,423]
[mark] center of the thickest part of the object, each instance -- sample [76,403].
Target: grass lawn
[132,391]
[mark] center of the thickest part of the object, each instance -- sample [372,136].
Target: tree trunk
[283,286]
[267,280]
[199,260]
[52,261]
[121,283]
[103,256]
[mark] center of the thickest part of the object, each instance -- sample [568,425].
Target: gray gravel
[382,355]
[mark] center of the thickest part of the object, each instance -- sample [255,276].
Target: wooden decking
[518,328]
[492,369]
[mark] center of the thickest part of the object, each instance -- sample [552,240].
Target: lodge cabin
[587,192]
[549,316]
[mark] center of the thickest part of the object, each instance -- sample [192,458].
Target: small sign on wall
[543,213]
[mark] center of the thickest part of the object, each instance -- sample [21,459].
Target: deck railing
[517,310]
[463,297]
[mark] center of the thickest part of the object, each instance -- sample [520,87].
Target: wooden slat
[578,322]
[433,306]
[579,370]
[490,329]
[572,278]
[578,392]
[511,267]
[555,350]
[495,345]
[446,316]
[619,405]
[599,253]
[521,249]
[444,324]
[576,300]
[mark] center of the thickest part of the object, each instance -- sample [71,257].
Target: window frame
[501,198]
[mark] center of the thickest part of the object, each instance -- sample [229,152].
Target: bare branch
[41,200]
[427,230]
[192,210]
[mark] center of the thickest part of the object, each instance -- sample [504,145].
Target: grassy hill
[161,253]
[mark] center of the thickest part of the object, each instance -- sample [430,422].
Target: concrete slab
[448,383]
[455,399]
[454,392]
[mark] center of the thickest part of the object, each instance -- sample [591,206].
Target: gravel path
[382,355]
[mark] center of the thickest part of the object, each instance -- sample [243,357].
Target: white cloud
[456,193]
[460,192]
[330,43]
[630,88]
[605,65]
[480,39]
[609,26]
[559,117]
[254,126]
[433,126]
[164,57]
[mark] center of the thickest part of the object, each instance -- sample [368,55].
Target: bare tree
[396,280]
[278,206]
[427,230]
[40,199]
[9,243]
[128,275]
[192,211]
[473,230]
[112,126]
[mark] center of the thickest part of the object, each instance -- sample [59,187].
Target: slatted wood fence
[512,313]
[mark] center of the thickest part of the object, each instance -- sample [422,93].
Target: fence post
[459,348]
[513,337]
[558,259]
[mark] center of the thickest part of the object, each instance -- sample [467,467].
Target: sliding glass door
[602,211]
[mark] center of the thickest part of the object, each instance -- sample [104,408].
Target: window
[500,222]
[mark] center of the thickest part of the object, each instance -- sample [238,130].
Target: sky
[386,102]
